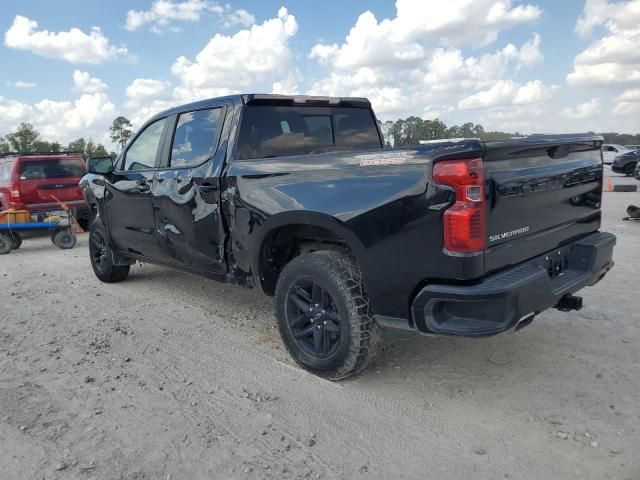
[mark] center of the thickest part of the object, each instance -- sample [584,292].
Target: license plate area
[556,263]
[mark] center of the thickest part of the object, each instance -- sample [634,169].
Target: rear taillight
[464,221]
[14,193]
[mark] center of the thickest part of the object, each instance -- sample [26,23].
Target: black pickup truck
[296,196]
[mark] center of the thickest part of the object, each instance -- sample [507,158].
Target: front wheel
[102,257]
[324,315]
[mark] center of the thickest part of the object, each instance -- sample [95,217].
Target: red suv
[33,181]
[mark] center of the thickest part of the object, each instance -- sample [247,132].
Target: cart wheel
[64,240]
[6,244]
[53,236]
[17,240]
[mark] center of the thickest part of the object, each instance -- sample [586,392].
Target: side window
[141,154]
[195,137]
[5,171]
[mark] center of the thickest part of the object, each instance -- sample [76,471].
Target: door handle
[208,188]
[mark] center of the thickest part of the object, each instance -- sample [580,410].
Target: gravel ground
[168,375]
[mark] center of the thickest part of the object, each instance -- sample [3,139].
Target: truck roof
[269,99]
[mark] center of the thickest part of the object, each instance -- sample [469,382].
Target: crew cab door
[128,205]
[186,196]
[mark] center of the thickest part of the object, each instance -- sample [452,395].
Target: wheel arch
[287,235]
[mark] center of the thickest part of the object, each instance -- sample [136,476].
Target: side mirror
[100,165]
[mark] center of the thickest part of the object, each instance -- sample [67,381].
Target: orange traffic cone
[608,185]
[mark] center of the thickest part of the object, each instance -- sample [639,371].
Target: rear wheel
[64,239]
[629,168]
[324,315]
[102,257]
[6,243]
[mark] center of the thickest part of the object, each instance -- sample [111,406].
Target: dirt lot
[168,375]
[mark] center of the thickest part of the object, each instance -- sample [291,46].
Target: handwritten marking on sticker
[395,158]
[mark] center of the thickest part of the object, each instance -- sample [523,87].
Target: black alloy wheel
[98,250]
[102,258]
[324,315]
[313,318]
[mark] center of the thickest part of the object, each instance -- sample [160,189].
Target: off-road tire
[104,269]
[361,336]
[6,243]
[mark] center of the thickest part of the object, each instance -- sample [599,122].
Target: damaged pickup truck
[297,197]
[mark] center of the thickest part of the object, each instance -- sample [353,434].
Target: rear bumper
[501,301]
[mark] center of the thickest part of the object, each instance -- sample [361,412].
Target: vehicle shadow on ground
[514,357]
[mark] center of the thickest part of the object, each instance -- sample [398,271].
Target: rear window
[51,168]
[273,131]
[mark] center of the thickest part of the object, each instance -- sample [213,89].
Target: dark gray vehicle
[626,163]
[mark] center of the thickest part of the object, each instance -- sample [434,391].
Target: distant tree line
[410,130]
[621,138]
[27,139]
[404,131]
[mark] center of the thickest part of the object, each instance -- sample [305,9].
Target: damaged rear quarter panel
[377,201]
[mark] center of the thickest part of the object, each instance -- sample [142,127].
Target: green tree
[4,146]
[95,150]
[78,145]
[24,139]
[88,148]
[121,131]
[44,146]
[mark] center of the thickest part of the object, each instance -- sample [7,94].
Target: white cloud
[165,12]
[583,110]
[231,63]
[258,58]
[415,59]
[443,77]
[628,103]
[62,121]
[85,83]
[506,92]
[239,17]
[403,38]
[613,59]
[529,53]
[145,90]
[74,46]
[21,84]
[12,112]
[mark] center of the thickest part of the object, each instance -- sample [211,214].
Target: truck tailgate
[543,192]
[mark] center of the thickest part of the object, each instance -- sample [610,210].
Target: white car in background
[610,151]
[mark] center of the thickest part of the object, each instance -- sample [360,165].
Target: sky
[71,66]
